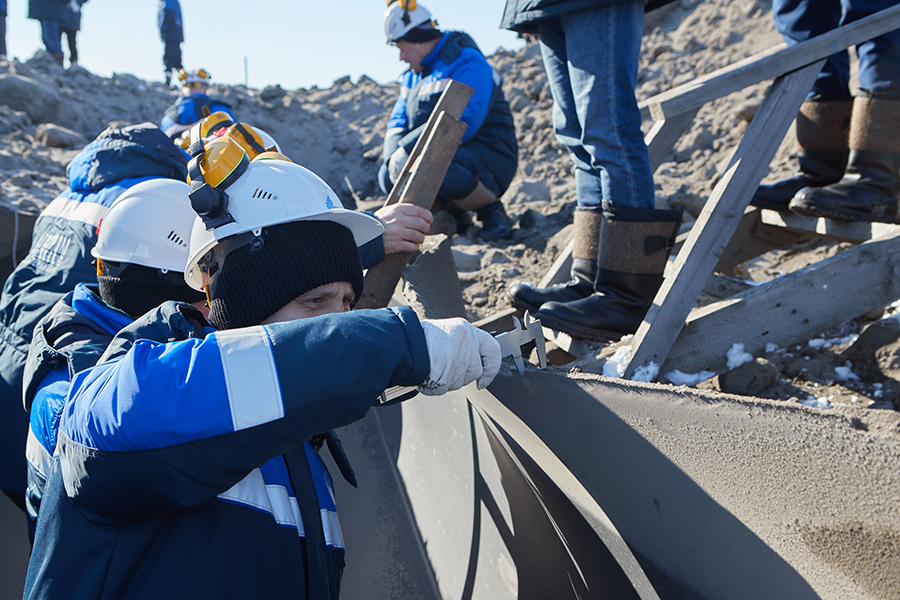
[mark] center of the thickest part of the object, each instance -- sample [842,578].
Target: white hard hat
[403,16]
[198,76]
[271,192]
[148,225]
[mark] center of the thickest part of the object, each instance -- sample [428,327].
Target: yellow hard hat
[248,139]
[210,125]
[220,159]
[269,155]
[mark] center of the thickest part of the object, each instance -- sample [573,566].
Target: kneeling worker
[487,158]
[185,463]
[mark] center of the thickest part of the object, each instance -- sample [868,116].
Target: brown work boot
[822,129]
[584,267]
[869,190]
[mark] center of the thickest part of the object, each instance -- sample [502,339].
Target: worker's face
[413,54]
[324,300]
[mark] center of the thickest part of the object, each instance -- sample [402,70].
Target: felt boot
[634,247]
[868,192]
[822,128]
[584,267]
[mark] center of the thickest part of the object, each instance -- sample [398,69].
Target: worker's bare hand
[405,227]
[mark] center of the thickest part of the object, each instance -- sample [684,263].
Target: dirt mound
[47,113]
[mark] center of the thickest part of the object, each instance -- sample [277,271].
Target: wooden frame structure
[727,232]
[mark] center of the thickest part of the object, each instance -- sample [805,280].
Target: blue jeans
[50,36]
[591,58]
[879,59]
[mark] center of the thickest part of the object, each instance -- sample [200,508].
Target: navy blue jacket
[170,27]
[524,15]
[47,10]
[60,258]
[491,133]
[184,470]
[73,18]
[2,7]
[71,338]
[187,110]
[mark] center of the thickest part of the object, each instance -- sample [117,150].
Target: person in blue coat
[487,158]
[193,105]
[70,26]
[622,243]
[188,460]
[50,13]
[171,31]
[141,250]
[2,29]
[60,258]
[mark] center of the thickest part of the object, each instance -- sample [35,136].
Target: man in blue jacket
[487,158]
[193,105]
[171,31]
[187,457]
[142,247]
[50,13]
[59,259]
[591,50]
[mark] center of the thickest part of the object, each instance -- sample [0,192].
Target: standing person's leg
[3,37]
[603,46]
[50,36]
[71,37]
[870,189]
[171,59]
[824,119]
[568,131]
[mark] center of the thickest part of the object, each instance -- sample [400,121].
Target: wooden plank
[425,179]
[664,134]
[720,218]
[769,64]
[753,238]
[453,102]
[791,308]
[842,231]
[574,346]
[724,286]
[561,269]
[499,321]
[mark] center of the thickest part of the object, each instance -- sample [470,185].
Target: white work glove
[396,163]
[460,353]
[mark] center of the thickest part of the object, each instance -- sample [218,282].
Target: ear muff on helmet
[182,75]
[213,168]
[247,138]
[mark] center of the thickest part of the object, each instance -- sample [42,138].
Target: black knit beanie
[138,289]
[294,258]
[423,33]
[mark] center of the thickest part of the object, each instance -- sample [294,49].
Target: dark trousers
[879,59]
[172,56]
[50,36]
[73,47]
[3,35]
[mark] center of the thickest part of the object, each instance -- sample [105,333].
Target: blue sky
[296,43]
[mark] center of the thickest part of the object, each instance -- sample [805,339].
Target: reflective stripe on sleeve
[251,378]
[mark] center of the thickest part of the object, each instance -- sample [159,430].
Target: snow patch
[647,373]
[817,402]
[737,356]
[676,377]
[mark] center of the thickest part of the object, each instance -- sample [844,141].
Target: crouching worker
[185,467]
[487,158]
[141,250]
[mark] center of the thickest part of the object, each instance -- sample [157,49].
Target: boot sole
[814,211]
[584,333]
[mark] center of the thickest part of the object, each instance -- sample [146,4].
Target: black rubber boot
[870,188]
[584,267]
[494,222]
[822,129]
[634,248]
